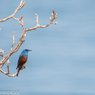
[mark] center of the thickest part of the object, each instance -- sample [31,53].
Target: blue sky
[62,61]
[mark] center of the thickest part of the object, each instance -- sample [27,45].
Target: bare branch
[11,16]
[21,22]
[8,62]
[1,51]
[21,40]
[7,73]
[39,26]
[21,17]
[13,41]
[36,19]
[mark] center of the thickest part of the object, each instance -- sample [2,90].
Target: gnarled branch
[21,40]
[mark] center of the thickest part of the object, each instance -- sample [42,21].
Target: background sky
[62,60]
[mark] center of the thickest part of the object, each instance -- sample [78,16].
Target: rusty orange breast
[23,60]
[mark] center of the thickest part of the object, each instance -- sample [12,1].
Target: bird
[22,59]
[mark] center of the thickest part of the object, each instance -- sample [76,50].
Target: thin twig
[13,41]
[8,62]
[11,16]
[39,26]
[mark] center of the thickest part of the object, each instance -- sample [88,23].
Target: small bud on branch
[23,3]
[21,17]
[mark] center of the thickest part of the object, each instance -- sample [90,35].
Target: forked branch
[21,40]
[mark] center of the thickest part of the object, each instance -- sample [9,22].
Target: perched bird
[22,59]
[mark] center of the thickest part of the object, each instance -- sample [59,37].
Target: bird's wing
[19,60]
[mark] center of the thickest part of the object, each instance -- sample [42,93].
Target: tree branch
[8,62]
[11,16]
[39,26]
[13,42]
[21,40]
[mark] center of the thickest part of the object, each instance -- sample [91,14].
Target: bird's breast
[23,59]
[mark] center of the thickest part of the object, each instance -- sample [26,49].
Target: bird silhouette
[22,59]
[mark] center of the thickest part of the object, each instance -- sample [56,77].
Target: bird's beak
[29,50]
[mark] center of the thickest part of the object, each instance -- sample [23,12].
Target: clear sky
[62,60]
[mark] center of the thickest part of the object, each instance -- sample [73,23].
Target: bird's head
[25,51]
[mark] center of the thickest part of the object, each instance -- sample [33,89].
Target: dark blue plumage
[22,59]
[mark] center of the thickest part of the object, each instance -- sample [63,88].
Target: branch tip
[13,33]
[55,17]
[23,3]
[54,12]
[21,17]
[1,51]
[8,62]
[55,23]
[36,15]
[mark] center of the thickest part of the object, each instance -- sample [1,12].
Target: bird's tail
[18,70]
[17,73]
[16,67]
